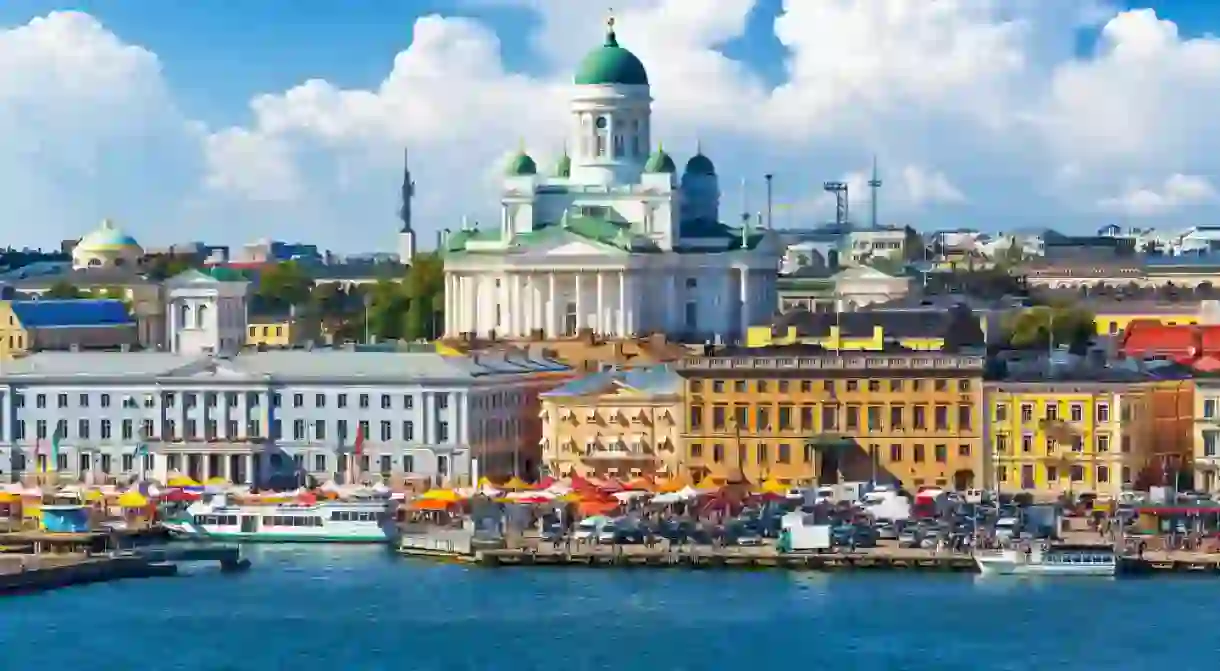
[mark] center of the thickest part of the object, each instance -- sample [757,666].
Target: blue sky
[214,57]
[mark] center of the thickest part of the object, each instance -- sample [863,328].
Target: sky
[230,121]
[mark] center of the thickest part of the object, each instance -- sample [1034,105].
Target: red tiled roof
[1149,338]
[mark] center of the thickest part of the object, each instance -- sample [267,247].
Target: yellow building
[619,423]
[1113,317]
[53,324]
[280,331]
[922,330]
[799,415]
[1101,431]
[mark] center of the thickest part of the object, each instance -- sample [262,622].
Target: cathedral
[610,236]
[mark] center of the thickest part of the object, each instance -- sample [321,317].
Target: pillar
[549,305]
[472,303]
[622,303]
[516,309]
[580,301]
[600,324]
[745,311]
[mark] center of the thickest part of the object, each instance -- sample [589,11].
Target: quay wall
[42,574]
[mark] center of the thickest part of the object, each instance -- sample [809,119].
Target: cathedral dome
[660,162]
[521,164]
[700,165]
[611,64]
[106,247]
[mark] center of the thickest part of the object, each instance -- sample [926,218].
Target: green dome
[700,165]
[660,162]
[564,167]
[521,164]
[611,64]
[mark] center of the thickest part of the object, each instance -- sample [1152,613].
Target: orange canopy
[640,483]
[599,507]
[431,504]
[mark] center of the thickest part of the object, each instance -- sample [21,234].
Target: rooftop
[645,380]
[71,313]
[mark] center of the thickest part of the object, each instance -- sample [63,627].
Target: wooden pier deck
[26,573]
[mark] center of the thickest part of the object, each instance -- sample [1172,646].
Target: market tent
[546,482]
[181,481]
[445,495]
[431,504]
[9,497]
[708,483]
[772,486]
[179,495]
[640,484]
[132,499]
[217,481]
[515,484]
[598,507]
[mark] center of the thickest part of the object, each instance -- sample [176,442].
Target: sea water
[336,608]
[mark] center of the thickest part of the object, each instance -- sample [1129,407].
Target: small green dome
[660,162]
[564,167]
[521,164]
[700,165]
[611,64]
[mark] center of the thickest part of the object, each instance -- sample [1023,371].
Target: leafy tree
[1034,328]
[424,286]
[63,289]
[283,285]
[164,266]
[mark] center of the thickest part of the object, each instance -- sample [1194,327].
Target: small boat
[1054,560]
[360,521]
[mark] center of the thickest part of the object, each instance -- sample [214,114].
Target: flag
[358,446]
[53,460]
[37,453]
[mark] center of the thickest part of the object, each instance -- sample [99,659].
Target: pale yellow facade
[613,430]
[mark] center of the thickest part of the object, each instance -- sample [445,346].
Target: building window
[853,418]
[319,462]
[298,429]
[896,412]
[895,453]
[364,401]
[128,463]
[319,430]
[1209,443]
[696,417]
[965,414]
[784,453]
[127,429]
[84,400]
[319,400]
[408,430]
[942,418]
[1052,411]
[386,432]
[1027,412]
[761,453]
[442,432]
[1103,412]
[919,418]
[1103,474]
[1077,473]
[1076,412]
[1001,443]
[874,418]
[718,453]
[105,429]
[62,400]
[941,453]
[696,451]
[40,400]
[82,428]
[919,455]
[963,450]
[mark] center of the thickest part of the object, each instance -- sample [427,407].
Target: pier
[66,559]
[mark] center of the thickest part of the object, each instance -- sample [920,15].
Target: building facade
[1206,452]
[801,415]
[613,240]
[619,423]
[1101,431]
[273,418]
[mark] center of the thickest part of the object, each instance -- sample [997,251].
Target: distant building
[928,330]
[281,330]
[43,325]
[107,247]
[845,290]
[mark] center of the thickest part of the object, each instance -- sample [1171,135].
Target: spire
[874,185]
[611,39]
[408,192]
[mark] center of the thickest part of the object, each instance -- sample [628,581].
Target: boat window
[268,521]
[317,521]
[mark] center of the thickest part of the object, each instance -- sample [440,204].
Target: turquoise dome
[611,64]
[107,237]
[660,162]
[521,164]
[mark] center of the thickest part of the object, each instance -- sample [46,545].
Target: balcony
[620,451]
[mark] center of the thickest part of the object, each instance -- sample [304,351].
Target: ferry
[361,521]
[1055,560]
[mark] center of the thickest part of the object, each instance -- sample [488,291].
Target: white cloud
[1175,193]
[976,100]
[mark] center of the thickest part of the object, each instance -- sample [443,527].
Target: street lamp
[368,302]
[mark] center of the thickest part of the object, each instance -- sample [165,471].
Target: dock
[530,553]
[67,559]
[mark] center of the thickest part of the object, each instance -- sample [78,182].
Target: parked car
[589,528]
[908,538]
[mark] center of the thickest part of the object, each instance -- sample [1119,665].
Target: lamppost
[368,302]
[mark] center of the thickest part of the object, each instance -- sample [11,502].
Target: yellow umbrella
[570,497]
[447,495]
[181,481]
[484,483]
[217,481]
[9,497]
[94,495]
[132,499]
[516,483]
[708,482]
[772,486]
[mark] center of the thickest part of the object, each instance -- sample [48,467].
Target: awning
[132,499]
[443,495]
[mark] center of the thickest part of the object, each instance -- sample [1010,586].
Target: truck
[799,533]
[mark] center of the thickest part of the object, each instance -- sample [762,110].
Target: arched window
[201,314]
[184,316]
[602,131]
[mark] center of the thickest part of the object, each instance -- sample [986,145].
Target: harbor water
[363,609]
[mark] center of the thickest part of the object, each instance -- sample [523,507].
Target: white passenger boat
[361,521]
[1056,560]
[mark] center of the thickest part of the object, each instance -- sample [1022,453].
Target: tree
[63,289]
[424,286]
[164,266]
[282,286]
[1040,327]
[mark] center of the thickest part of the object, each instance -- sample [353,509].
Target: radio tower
[839,189]
[874,185]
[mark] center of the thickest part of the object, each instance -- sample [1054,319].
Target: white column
[622,303]
[745,304]
[580,301]
[450,301]
[549,305]
[633,305]
[516,307]
[472,303]
[600,323]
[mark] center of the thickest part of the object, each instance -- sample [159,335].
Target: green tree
[1034,328]
[283,285]
[424,287]
[164,266]
[63,289]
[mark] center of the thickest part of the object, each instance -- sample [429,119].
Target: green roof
[521,164]
[223,274]
[611,64]
[660,162]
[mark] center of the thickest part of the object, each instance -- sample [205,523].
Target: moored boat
[359,521]
[1055,560]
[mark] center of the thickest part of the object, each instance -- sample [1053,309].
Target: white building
[612,239]
[207,312]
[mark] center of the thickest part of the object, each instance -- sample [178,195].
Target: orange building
[801,415]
